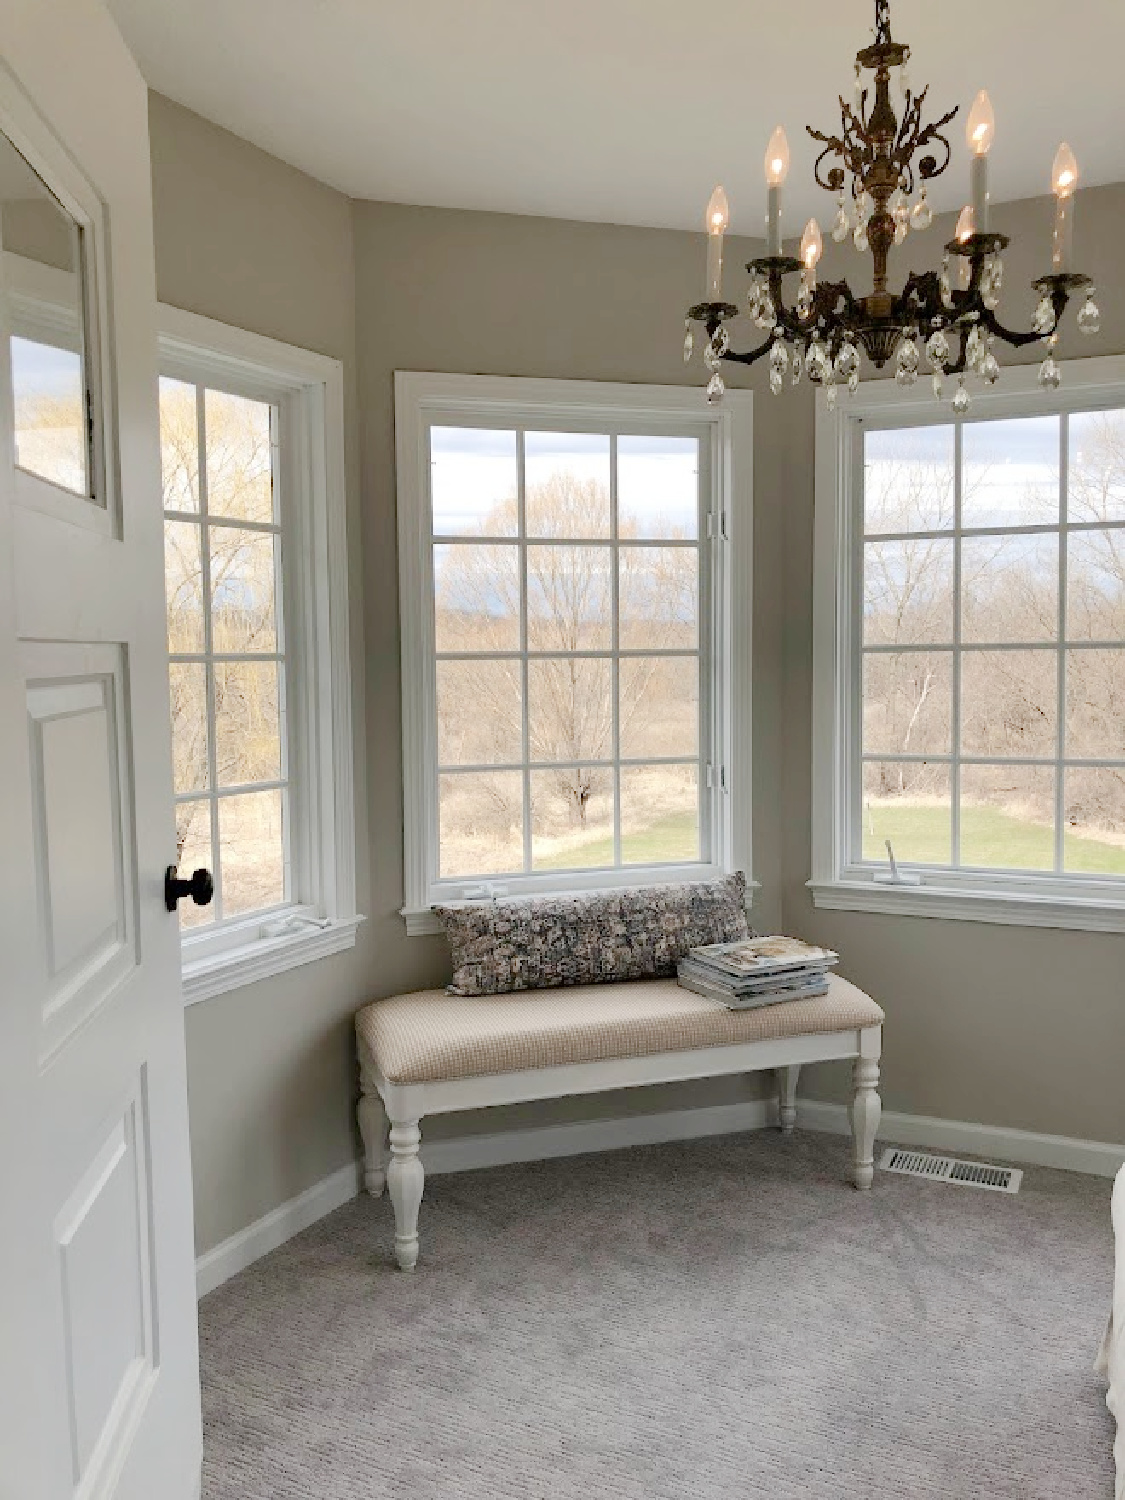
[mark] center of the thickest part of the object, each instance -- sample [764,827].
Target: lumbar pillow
[540,942]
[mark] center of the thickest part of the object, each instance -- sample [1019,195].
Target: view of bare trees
[569,718]
[1010,620]
[222,607]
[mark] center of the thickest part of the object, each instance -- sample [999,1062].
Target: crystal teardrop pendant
[816,361]
[847,360]
[841,224]
[865,207]
[922,215]
[715,388]
[804,302]
[974,347]
[857,91]
[853,382]
[720,340]
[937,385]
[961,400]
[1089,316]
[945,286]
[767,316]
[795,379]
[902,228]
[689,342]
[1044,320]
[906,372]
[710,358]
[859,238]
[830,394]
[779,357]
[1050,376]
[937,350]
[990,369]
[777,380]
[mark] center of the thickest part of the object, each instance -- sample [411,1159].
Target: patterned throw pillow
[540,942]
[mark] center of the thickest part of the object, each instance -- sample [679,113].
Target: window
[566,603]
[978,638]
[255,588]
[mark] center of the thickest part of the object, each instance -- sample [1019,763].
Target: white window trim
[310,387]
[1005,898]
[421,396]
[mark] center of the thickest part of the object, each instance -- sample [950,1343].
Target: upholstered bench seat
[432,1053]
[430,1037]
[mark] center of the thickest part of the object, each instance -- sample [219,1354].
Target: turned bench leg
[405,1181]
[787,1096]
[865,1111]
[372,1119]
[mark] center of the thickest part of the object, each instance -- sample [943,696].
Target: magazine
[763,957]
[806,989]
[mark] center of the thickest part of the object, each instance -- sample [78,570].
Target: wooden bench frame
[405,1104]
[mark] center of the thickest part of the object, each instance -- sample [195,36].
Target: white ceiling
[621,111]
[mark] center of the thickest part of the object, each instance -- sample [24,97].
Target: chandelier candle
[878,168]
[717,219]
[777,170]
[1064,180]
[978,133]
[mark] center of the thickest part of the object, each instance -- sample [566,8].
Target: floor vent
[949,1169]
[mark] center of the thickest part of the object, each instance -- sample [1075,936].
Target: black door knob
[200,887]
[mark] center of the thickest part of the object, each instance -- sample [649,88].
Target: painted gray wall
[1009,1026]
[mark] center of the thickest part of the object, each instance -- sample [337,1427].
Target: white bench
[430,1053]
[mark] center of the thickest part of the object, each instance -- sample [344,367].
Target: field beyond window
[566,575]
[993,645]
[226,647]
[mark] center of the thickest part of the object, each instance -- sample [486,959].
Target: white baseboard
[1095,1158]
[538,1143]
[230,1256]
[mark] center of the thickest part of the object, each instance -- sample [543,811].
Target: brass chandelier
[942,322]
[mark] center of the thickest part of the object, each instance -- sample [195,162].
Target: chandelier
[942,323]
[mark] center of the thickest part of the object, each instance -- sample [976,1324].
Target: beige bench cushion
[429,1035]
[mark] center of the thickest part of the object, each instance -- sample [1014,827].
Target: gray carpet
[717,1319]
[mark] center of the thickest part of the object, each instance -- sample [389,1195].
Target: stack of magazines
[757,971]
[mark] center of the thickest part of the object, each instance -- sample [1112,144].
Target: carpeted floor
[717,1320]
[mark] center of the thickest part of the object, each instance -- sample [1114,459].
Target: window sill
[1012,909]
[216,974]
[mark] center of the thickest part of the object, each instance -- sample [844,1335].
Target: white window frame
[425,399]
[308,389]
[1013,898]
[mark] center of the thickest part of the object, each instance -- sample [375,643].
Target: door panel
[99,1394]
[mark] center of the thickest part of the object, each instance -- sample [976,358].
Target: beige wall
[1012,1026]
[1006,1025]
[246,240]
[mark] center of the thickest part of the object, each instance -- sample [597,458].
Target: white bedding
[1111,1359]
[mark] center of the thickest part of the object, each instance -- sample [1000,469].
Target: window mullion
[615,646]
[521,531]
[208,649]
[955,707]
[1060,708]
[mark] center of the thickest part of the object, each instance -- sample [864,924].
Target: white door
[99,1389]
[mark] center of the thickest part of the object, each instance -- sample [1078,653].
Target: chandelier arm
[750,356]
[1019,340]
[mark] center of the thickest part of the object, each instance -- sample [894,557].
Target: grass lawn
[989,838]
[674,837]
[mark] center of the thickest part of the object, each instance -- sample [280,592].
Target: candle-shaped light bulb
[715,221]
[981,125]
[812,245]
[1064,180]
[1064,172]
[777,158]
[966,225]
[979,131]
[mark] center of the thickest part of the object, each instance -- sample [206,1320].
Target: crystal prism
[776,381]
[847,360]
[1089,316]
[937,350]
[710,358]
[816,361]
[796,376]
[938,385]
[859,238]
[853,382]
[990,369]
[779,357]
[720,340]
[1050,376]
[715,388]
[922,215]
[1044,320]
[830,394]
[689,342]
[961,401]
